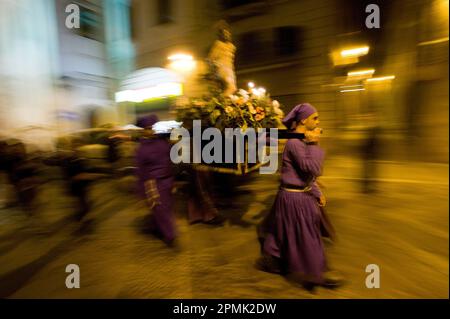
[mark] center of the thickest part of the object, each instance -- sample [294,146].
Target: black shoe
[173,244]
[332,279]
[216,221]
[300,280]
[309,286]
[268,264]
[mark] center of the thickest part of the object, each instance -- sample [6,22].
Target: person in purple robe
[155,180]
[290,236]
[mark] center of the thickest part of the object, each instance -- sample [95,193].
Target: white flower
[276,104]
[244,94]
[234,98]
[276,108]
[256,93]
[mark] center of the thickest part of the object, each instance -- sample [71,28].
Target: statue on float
[224,105]
[221,60]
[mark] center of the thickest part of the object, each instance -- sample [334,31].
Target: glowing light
[182,62]
[352,90]
[440,40]
[381,78]
[355,52]
[160,90]
[180,56]
[182,65]
[262,90]
[251,85]
[126,96]
[351,86]
[361,72]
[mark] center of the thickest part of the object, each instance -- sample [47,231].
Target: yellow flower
[240,101]
[251,109]
[228,109]
[199,103]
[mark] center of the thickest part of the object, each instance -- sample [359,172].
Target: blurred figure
[155,180]
[370,151]
[3,147]
[78,175]
[113,143]
[75,171]
[22,174]
[291,234]
[201,207]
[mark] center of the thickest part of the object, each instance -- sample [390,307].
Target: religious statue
[221,58]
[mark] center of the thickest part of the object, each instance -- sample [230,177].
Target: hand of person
[313,136]
[322,201]
[152,202]
[120,136]
[320,184]
[152,194]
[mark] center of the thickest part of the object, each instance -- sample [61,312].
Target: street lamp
[182,62]
[381,78]
[361,72]
[355,52]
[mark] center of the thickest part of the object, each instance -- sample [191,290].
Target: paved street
[403,229]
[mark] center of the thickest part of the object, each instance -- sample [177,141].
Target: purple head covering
[298,113]
[147,121]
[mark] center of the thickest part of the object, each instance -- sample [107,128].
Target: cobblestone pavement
[403,228]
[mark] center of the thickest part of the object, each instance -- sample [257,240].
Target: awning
[149,83]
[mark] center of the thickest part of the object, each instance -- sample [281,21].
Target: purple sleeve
[309,158]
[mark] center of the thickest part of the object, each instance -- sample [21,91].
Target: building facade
[54,76]
[295,50]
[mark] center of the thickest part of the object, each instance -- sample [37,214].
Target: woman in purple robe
[155,179]
[290,236]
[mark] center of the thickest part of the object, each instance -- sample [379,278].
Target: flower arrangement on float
[245,108]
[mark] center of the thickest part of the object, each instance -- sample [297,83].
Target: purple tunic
[292,229]
[153,162]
